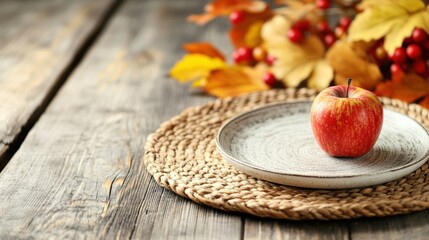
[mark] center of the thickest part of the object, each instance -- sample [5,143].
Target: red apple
[346,120]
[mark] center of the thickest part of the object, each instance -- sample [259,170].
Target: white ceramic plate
[276,143]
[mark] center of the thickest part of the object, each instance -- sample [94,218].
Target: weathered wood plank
[261,229]
[79,173]
[409,226]
[38,42]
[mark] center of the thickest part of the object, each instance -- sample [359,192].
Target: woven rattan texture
[182,157]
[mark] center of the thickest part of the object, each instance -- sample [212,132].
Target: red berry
[345,22]
[414,51]
[301,25]
[323,27]
[399,56]
[237,17]
[396,72]
[323,4]
[243,55]
[269,79]
[329,39]
[270,59]
[295,35]
[420,66]
[395,69]
[419,35]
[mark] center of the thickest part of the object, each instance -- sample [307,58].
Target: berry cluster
[297,33]
[411,55]
[250,56]
[300,28]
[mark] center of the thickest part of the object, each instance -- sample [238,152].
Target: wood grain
[409,226]
[261,229]
[79,173]
[38,41]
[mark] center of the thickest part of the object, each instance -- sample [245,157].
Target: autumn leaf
[226,7]
[410,89]
[296,62]
[203,48]
[195,67]
[350,59]
[299,9]
[425,102]
[248,32]
[216,77]
[392,19]
[293,3]
[199,83]
[233,81]
[321,76]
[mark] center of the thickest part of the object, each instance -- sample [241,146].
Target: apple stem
[349,81]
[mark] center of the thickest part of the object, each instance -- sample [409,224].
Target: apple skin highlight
[346,126]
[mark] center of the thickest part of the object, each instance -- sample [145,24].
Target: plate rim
[225,154]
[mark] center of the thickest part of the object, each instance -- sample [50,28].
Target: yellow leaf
[349,59]
[296,75]
[273,31]
[195,66]
[392,19]
[322,75]
[295,62]
[199,83]
[233,81]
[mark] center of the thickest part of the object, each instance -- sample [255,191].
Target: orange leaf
[425,102]
[248,32]
[349,59]
[234,81]
[203,48]
[226,7]
[410,89]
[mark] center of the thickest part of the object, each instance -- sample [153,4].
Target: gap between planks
[79,55]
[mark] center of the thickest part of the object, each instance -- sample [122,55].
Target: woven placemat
[182,157]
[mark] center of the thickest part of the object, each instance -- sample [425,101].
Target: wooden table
[82,84]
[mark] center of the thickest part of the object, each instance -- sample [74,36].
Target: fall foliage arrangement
[382,44]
